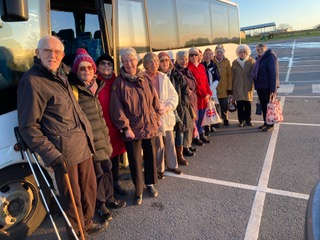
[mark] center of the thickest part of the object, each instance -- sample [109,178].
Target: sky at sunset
[298,14]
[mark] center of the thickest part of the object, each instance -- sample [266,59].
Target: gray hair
[46,38]
[128,52]
[149,57]
[181,54]
[262,45]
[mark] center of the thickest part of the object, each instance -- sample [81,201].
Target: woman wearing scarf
[86,88]
[265,75]
[242,84]
[135,110]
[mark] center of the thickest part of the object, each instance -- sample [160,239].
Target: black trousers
[84,186]
[244,111]
[105,192]
[264,97]
[135,162]
[115,167]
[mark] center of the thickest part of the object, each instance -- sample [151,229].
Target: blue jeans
[199,121]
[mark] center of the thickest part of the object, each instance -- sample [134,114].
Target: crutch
[25,152]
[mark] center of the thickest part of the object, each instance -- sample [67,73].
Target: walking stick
[36,160]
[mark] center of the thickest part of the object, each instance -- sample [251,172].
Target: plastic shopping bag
[274,111]
[211,115]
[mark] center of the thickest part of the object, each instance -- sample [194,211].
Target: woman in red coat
[203,89]
[105,73]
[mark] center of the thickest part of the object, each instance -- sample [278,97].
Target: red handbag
[274,110]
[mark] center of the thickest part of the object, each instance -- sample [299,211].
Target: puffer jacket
[135,105]
[51,121]
[225,82]
[242,84]
[168,97]
[91,106]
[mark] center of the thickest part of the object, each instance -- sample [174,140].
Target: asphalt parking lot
[246,184]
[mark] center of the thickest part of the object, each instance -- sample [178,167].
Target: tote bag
[211,115]
[274,111]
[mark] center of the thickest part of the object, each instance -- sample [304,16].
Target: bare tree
[284,27]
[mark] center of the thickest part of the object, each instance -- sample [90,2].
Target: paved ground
[245,184]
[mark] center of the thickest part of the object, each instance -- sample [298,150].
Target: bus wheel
[21,208]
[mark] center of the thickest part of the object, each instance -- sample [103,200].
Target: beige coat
[242,84]
[225,82]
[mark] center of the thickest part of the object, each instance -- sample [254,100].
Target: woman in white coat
[168,96]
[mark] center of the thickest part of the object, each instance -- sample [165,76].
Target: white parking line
[286,88]
[290,61]
[315,88]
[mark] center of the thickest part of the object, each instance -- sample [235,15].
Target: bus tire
[21,207]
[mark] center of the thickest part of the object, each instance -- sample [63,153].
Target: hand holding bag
[274,111]
[211,115]
[232,106]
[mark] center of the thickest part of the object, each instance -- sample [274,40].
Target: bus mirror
[14,10]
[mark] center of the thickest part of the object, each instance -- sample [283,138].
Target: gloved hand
[59,163]
[229,92]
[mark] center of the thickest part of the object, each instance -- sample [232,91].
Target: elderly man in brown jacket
[52,124]
[135,110]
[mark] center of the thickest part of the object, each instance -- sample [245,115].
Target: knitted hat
[161,54]
[105,57]
[245,47]
[194,49]
[82,55]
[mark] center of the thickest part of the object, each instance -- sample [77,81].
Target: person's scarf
[139,77]
[242,62]
[92,86]
[255,70]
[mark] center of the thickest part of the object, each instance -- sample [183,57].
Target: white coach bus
[99,26]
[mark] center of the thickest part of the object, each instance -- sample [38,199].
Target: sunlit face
[130,63]
[219,53]
[105,68]
[182,61]
[152,66]
[85,71]
[207,56]
[51,53]
[194,57]
[242,54]
[164,63]
[260,51]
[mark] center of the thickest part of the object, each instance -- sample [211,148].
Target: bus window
[163,25]
[18,43]
[234,25]
[132,26]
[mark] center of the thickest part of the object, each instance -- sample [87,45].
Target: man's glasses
[47,52]
[193,55]
[83,68]
[164,60]
[105,64]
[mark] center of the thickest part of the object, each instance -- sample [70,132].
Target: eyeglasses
[47,52]
[83,68]
[193,55]
[164,60]
[105,64]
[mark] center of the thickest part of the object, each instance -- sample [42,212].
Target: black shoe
[249,124]
[212,129]
[207,134]
[118,189]
[97,227]
[197,141]
[116,203]
[152,191]
[104,213]
[226,123]
[267,129]
[137,200]
[241,124]
[187,152]
[174,170]
[262,126]
[160,175]
[193,149]
[204,139]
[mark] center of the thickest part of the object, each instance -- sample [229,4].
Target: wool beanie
[82,55]
[194,49]
[161,54]
[105,57]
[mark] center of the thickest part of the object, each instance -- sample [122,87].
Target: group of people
[81,120]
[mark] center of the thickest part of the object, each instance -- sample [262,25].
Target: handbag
[211,115]
[274,111]
[258,108]
[232,106]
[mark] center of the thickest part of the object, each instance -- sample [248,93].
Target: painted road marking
[315,88]
[288,88]
[290,61]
